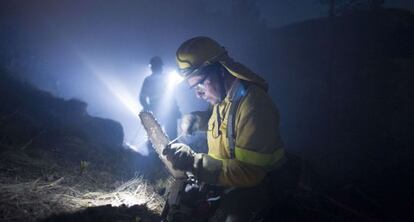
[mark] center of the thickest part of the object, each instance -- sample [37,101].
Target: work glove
[190,123]
[180,155]
[203,166]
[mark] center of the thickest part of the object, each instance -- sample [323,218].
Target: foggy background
[98,51]
[341,77]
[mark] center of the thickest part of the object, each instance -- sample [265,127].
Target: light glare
[174,78]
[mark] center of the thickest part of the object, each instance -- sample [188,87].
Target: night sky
[282,12]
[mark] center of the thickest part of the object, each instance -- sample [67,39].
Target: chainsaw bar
[159,141]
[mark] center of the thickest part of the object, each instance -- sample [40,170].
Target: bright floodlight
[174,78]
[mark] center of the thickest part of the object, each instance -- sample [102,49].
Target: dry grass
[38,182]
[32,201]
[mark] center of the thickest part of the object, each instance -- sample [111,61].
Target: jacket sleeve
[258,144]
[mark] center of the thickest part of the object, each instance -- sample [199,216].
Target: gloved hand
[189,123]
[180,155]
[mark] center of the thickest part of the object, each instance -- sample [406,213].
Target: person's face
[206,87]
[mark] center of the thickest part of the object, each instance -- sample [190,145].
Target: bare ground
[66,177]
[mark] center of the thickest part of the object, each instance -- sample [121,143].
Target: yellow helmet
[196,53]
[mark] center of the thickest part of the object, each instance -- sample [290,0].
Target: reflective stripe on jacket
[258,146]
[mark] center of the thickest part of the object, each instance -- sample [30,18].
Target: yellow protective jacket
[258,145]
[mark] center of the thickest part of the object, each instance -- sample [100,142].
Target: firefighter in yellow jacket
[243,138]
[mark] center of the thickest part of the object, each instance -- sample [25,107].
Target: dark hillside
[55,158]
[39,110]
[344,88]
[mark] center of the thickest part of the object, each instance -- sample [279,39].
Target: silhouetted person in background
[156,97]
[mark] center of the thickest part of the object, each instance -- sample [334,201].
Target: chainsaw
[187,198]
[159,141]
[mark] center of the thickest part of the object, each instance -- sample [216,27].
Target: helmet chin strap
[222,82]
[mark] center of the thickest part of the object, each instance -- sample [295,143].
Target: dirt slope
[52,163]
